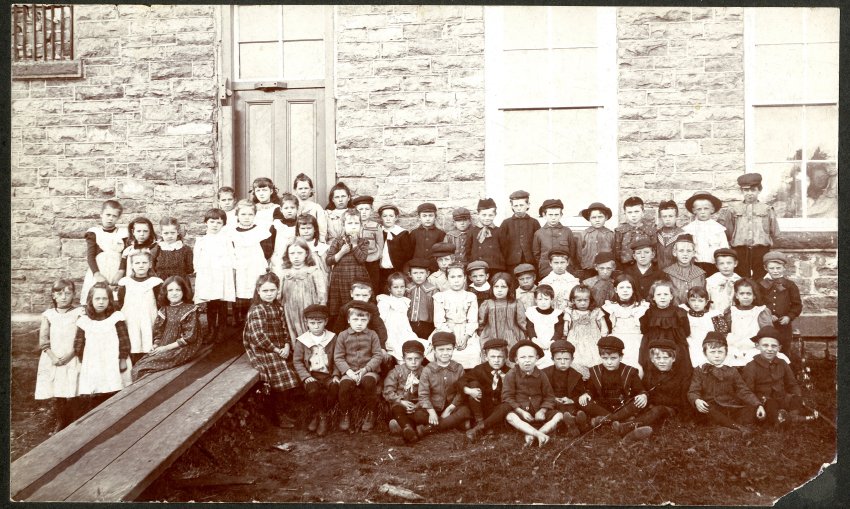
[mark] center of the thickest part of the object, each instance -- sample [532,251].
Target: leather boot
[322,427]
[368,422]
[409,434]
[344,422]
[473,434]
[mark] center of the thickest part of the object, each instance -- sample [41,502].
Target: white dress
[284,235]
[320,250]
[744,324]
[250,262]
[214,259]
[625,324]
[709,236]
[457,312]
[721,290]
[316,210]
[99,370]
[394,314]
[140,311]
[265,215]
[108,260]
[544,328]
[59,381]
[700,326]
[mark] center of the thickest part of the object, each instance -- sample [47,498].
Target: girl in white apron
[103,345]
[104,246]
[58,368]
[250,260]
[137,297]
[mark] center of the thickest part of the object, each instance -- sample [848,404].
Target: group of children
[519,323]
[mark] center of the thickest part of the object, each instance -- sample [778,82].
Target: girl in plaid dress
[346,257]
[267,344]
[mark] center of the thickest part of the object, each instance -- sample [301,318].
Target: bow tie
[484,234]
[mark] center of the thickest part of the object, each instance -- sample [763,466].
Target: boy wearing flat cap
[552,235]
[601,286]
[644,271]
[461,234]
[667,390]
[772,380]
[594,239]
[440,404]
[313,357]
[421,292]
[718,392]
[485,243]
[424,236]
[708,234]
[401,390]
[634,228]
[751,226]
[478,272]
[483,385]
[525,276]
[782,298]
[357,355]
[614,390]
[567,385]
[518,232]
[529,394]
[443,254]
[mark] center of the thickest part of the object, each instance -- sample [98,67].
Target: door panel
[279,134]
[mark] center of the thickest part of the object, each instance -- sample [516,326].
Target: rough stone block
[465,149]
[381,84]
[189,128]
[195,38]
[67,186]
[363,118]
[634,79]
[719,48]
[395,100]
[642,48]
[195,176]
[439,12]
[102,133]
[95,12]
[725,64]
[467,78]
[680,148]
[194,89]
[731,97]
[97,48]
[633,15]
[358,51]
[710,81]
[420,154]
[96,29]
[637,113]
[167,69]
[722,146]
[148,90]
[401,66]
[423,31]
[410,136]
[470,44]
[664,98]
[103,188]
[363,21]
[640,150]
[639,131]
[685,30]
[136,189]
[691,130]
[385,34]
[43,150]
[710,163]
[418,47]
[73,248]
[728,129]
[424,83]
[394,49]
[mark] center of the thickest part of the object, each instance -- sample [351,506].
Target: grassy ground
[681,463]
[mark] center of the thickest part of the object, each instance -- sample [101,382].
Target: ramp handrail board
[118,449]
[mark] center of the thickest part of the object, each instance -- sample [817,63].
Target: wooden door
[279,134]
[279,77]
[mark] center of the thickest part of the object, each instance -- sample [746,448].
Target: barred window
[43,41]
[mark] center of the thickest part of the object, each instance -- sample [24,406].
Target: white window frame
[786,224]
[607,163]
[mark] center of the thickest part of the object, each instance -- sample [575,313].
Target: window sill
[46,70]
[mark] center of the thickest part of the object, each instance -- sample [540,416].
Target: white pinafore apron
[250,261]
[99,370]
[108,260]
[59,381]
[140,311]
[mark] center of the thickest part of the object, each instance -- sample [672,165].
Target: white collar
[310,340]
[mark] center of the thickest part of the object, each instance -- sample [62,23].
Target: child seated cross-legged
[483,388]
[314,362]
[530,396]
[357,355]
[401,390]
[667,390]
[567,385]
[614,390]
[440,404]
[773,382]
[719,393]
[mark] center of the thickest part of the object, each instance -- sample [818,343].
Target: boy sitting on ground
[357,355]
[719,393]
[483,388]
[614,390]
[401,390]
[567,385]
[440,399]
[529,394]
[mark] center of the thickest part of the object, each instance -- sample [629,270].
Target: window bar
[24,31]
[15,32]
[52,33]
[71,38]
[44,32]
[34,43]
[62,33]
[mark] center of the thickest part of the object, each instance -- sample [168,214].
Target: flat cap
[522,343]
[775,256]
[460,213]
[441,338]
[663,344]
[550,204]
[419,263]
[611,343]
[519,195]
[768,331]
[361,199]
[388,206]
[749,180]
[316,311]
[524,268]
[715,337]
[641,242]
[477,264]
[725,251]
[362,306]
[426,207]
[559,252]
[603,257]
[494,344]
[486,203]
[412,346]
[442,249]
[561,345]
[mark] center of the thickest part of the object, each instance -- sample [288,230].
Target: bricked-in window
[551,105]
[791,68]
[43,41]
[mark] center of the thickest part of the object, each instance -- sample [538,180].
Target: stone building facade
[147,124]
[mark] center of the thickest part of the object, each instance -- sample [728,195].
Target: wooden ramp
[119,448]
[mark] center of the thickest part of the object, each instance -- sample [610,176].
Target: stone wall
[140,127]
[410,104]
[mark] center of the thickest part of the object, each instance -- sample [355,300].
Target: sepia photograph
[423,254]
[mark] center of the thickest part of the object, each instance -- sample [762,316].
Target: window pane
[302,138]
[822,192]
[779,73]
[822,76]
[303,22]
[574,77]
[526,137]
[574,135]
[779,24]
[778,133]
[573,26]
[823,25]
[525,27]
[259,23]
[525,80]
[822,132]
[781,183]
[303,60]
[259,60]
